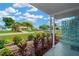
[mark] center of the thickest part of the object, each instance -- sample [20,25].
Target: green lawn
[9,39]
[31,30]
[10,31]
[7,31]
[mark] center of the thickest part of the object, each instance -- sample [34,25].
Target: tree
[8,21]
[15,27]
[44,27]
[27,24]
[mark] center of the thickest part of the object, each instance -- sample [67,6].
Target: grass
[9,39]
[31,30]
[10,31]
[7,31]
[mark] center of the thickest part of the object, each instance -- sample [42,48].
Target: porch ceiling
[59,10]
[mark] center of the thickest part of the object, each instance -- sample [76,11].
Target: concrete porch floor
[62,49]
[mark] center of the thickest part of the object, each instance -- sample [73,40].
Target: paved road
[4,34]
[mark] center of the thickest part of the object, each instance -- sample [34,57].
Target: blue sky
[21,12]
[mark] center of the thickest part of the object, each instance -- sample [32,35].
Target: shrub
[44,34]
[22,45]
[17,39]
[38,35]
[48,34]
[6,52]
[30,37]
[2,44]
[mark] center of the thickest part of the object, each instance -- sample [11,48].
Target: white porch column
[52,29]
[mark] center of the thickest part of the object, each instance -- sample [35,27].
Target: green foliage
[2,44]
[30,37]
[6,52]
[44,34]
[15,27]
[48,34]
[17,39]
[44,27]
[8,21]
[28,24]
[22,44]
[38,35]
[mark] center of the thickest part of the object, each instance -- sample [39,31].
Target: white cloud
[3,13]
[26,19]
[32,20]
[19,5]
[17,12]
[32,9]
[28,15]
[10,10]
[20,17]
[13,17]
[7,11]
[40,16]
[32,17]
[45,18]
[48,18]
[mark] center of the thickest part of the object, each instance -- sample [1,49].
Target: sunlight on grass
[7,31]
[9,39]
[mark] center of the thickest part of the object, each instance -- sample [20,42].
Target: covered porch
[59,11]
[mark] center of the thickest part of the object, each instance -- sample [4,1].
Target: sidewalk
[62,50]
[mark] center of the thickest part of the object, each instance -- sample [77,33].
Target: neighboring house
[24,28]
[20,28]
[2,27]
[2,24]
